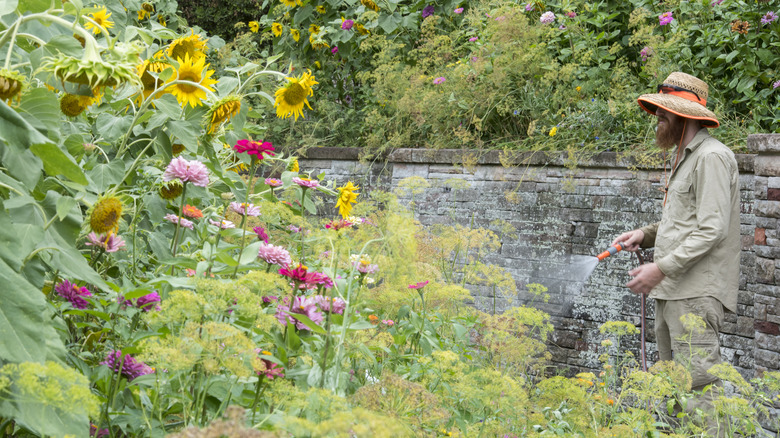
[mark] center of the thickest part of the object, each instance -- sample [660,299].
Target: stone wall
[565,215]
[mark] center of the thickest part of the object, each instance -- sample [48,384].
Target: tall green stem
[178,222]
[303,217]
[244,219]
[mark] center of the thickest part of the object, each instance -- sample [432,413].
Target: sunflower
[317,42]
[254,26]
[192,46]
[148,7]
[321,9]
[276,29]
[100,18]
[347,197]
[293,165]
[12,83]
[291,98]
[296,34]
[80,39]
[222,111]
[193,71]
[143,14]
[150,83]
[361,29]
[176,149]
[92,70]
[105,215]
[171,190]
[72,105]
[161,20]
[314,29]
[291,3]
[370,5]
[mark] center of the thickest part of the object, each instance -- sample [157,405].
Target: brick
[760,236]
[767,327]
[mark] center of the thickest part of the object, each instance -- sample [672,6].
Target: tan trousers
[697,349]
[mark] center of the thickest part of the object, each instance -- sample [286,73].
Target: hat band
[687,95]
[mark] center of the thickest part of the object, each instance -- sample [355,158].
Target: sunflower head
[80,39]
[12,83]
[254,26]
[296,34]
[176,149]
[222,111]
[150,83]
[314,29]
[291,98]
[321,9]
[347,196]
[100,18]
[291,3]
[148,7]
[72,105]
[370,4]
[292,166]
[193,46]
[92,70]
[361,29]
[276,29]
[171,190]
[193,70]
[106,214]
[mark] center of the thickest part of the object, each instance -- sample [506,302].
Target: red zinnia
[255,148]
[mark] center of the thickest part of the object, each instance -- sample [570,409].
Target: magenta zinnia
[274,255]
[261,234]
[73,293]
[109,243]
[255,148]
[193,171]
[419,285]
[130,367]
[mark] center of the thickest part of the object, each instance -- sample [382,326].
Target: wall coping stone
[450,156]
[763,143]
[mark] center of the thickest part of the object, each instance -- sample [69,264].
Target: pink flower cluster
[244,208]
[347,24]
[186,223]
[665,18]
[109,243]
[645,53]
[274,255]
[306,182]
[192,171]
[73,293]
[304,279]
[303,306]
[328,305]
[547,18]
[130,367]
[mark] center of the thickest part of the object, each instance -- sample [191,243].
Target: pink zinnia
[472,39]
[130,368]
[529,7]
[334,49]
[147,301]
[306,182]
[272,369]
[347,24]
[273,182]
[419,285]
[458,10]
[192,171]
[255,148]
[571,14]
[223,224]
[243,208]
[335,305]
[439,80]
[110,243]
[179,220]
[665,18]
[274,255]
[547,18]
[73,293]
[318,278]
[388,322]
[775,85]
[296,274]
[303,306]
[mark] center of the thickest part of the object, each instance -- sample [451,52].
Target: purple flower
[193,171]
[130,367]
[645,53]
[571,14]
[93,431]
[303,306]
[260,231]
[427,11]
[306,182]
[347,24]
[146,302]
[769,17]
[472,39]
[562,27]
[110,243]
[274,255]
[439,80]
[775,85]
[458,10]
[270,299]
[179,220]
[316,278]
[419,285]
[716,2]
[272,182]
[547,18]
[272,369]
[335,49]
[223,224]
[335,304]
[243,208]
[665,18]
[293,228]
[529,7]
[73,293]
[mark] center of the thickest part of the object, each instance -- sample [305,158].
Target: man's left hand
[646,277]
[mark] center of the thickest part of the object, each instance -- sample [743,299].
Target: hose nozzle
[611,251]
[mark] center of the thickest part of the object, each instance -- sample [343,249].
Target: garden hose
[642,311]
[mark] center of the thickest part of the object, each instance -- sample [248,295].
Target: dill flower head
[244,208]
[254,26]
[171,190]
[192,212]
[12,83]
[276,29]
[255,148]
[101,18]
[73,293]
[369,4]
[109,242]
[172,218]
[193,70]
[347,197]
[291,98]
[274,255]
[105,215]
[191,46]
[126,364]
[222,111]
[193,171]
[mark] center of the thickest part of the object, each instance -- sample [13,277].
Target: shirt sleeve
[650,232]
[712,182]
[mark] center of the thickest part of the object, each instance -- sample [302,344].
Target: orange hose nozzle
[611,251]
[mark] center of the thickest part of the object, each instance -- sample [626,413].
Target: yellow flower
[72,105]
[361,29]
[579,88]
[321,9]
[222,111]
[296,34]
[105,215]
[293,165]
[553,131]
[193,71]
[142,14]
[254,26]
[161,20]
[291,98]
[347,197]
[370,5]
[192,46]
[12,83]
[150,83]
[276,29]
[314,29]
[100,18]
[317,42]
[291,3]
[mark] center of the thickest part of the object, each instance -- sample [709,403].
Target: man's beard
[669,133]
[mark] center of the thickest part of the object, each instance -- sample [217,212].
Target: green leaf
[303,13]
[33,6]
[57,162]
[249,254]
[389,23]
[105,175]
[308,323]
[42,110]
[26,333]
[186,132]
[16,131]
[8,6]
[111,127]
[22,165]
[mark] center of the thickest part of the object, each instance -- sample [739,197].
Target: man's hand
[646,277]
[630,239]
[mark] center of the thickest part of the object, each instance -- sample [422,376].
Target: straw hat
[684,95]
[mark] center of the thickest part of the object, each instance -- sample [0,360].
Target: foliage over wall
[497,74]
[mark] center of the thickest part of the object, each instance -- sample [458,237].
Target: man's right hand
[630,239]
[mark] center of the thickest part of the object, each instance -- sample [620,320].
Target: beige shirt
[697,242]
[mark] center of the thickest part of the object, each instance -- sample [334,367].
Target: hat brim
[679,106]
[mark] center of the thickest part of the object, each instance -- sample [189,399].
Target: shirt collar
[698,139]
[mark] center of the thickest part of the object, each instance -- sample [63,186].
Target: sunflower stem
[214,252]
[303,219]
[11,45]
[246,207]
[178,223]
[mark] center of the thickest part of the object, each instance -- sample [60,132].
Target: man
[697,241]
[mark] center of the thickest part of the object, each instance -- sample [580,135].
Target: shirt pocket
[681,203]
